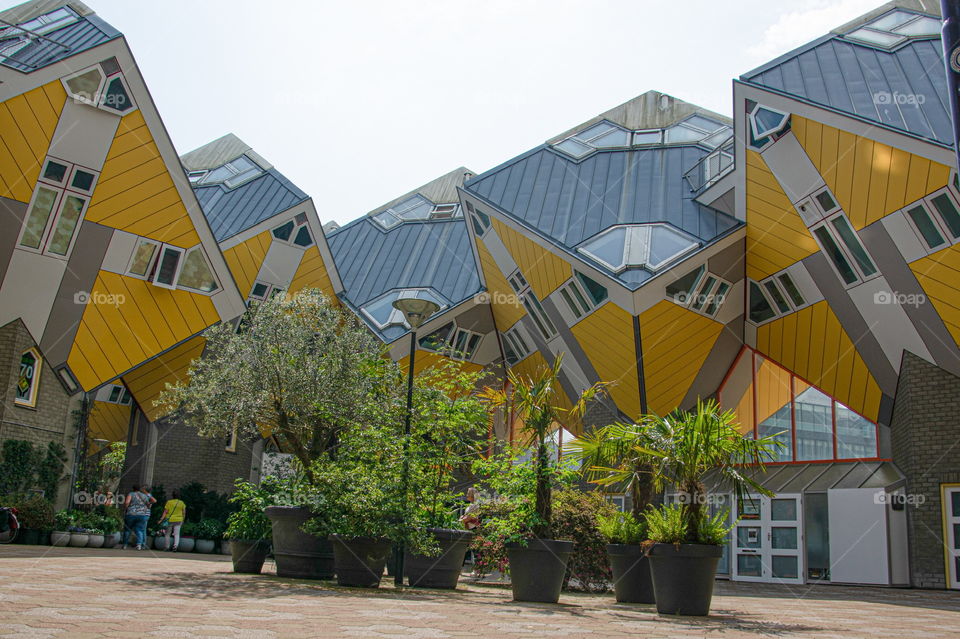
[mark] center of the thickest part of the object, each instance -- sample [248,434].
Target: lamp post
[416,311]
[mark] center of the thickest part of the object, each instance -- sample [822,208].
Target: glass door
[768,539]
[951,511]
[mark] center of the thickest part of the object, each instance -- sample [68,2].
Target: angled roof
[233,210]
[569,201]
[86,32]
[848,76]
[436,254]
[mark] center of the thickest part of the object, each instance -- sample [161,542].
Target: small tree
[298,367]
[536,402]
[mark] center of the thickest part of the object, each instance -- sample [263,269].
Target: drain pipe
[951,58]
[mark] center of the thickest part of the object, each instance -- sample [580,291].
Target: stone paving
[77,593]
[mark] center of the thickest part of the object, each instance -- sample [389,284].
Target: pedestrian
[469,518]
[137,514]
[174,514]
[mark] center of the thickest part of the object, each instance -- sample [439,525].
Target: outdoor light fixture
[416,311]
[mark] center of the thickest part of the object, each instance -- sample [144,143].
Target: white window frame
[755,127]
[93,100]
[56,219]
[140,240]
[297,225]
[272,290]
[515,280]
[935,213]
[777,283]
[445,211]
[157,263]
[102,98]
[194,177]
[396,317]
[827,223]
[31,402]
[706,292]
[466,356]
[574,288]
[538,314]
[64,189]
[216,289]
[514,338]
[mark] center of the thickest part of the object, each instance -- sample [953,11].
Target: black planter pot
[632,582]
[298,554]
[442,571]
[683,577]
[248,556]
[359,561]
[537,569]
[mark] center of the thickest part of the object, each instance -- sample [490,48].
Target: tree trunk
[544,505]
[641,491]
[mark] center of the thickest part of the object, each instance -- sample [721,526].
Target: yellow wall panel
[149,380]
[114,337]
[675,343]
[503,302]
[776,236]
[542,269]
[245,260]
[27,123]
[109,421]
[426,359]
[816,348]
[869,179]
[312,273]
[606,335]
[135,192]
[939,274]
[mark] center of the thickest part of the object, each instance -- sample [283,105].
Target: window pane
[565,294]
[717,298]
[614,138]
[82,180]
[783,537]
[784,567]
[472,346]
[814,417]
[196,273]
[705,288]
[749,566]
[574,148]
[596,291]
[86,84]
[680,289]
[826,201]
[259,290]
[948,212]
[115,393]
[875,37]
[665,245]
[381,309]
[679,133]
[928,230]
[26,380]
[768,121]
[167,270]
[849,237]
[217,175]
[303,237]
[760,309]
[578,296]
[921,27]
[833,251]
[791,289]
[748,536]
[596,131]
[607,248]
[776,296]
[891,20]
[646,137]
[54,171]
[66,225]
[38,217]
[955,503]
[777,426]
[284,232]
[115,97]
[783,510]
[142,258]
[856,435]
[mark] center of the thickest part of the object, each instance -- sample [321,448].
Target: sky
[359,102]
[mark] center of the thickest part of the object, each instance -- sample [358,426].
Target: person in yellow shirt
[174,513]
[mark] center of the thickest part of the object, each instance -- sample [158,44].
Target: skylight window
[382,313]
[46,23]
[602,135]
[696,129]
[765,121]
[415,207]
[894,28]
[233,173]
[649,246]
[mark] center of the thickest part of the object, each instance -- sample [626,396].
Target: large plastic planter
[683,577]
[537,569]
[299,555]
[442,571]
[632,582]
[359,561]
[248,556]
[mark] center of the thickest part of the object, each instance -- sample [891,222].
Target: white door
[768,540]
[951,512]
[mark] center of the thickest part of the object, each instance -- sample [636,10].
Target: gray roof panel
[232,211]
[86,33]
[846,76]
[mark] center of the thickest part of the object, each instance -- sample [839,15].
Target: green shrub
[668,525]
[622,528]
[64,519]
[248,522]
[35,512]
[18,466]
[575,517]
[209,528]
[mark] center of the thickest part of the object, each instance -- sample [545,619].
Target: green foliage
[50,470]
[209,529]
[622,528]
[248,522]
[156,510]
[303,368]
[35,512]
[575,517]
[19,466]
[112,520]
[668,525]
[64,519]
[536,402]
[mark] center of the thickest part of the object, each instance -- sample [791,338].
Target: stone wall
[926,446]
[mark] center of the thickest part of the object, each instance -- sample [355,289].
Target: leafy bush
[248,522]
[575,517]
[19,466]
[622,528]
[209,529]
[64,519]
[668,525]
[35,512]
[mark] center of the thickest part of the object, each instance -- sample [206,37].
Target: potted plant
[685,542]
[112,524]
[618,456]
[63,521]
[188,537]
[302,370]
[94,537]
[208,533]
[248,528]
[538,562]
[447,428]
[36,518]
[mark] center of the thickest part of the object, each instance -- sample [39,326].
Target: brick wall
[50,420]
[925,437]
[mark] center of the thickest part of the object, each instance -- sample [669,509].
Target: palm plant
[535,401]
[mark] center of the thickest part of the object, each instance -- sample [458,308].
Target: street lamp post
[416,311]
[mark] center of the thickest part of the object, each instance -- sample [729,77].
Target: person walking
[174,514]
[137,514]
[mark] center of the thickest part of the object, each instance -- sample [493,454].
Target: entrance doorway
[951,521]
[768,540]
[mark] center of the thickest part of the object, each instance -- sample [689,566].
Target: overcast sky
[359,102]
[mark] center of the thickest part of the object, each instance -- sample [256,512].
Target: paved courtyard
[78,593]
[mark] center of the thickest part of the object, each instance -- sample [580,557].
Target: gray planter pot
[537,570]
[359,561]
[78,540]
[442,571]
[111,540]
[683,577]
[186,544]
[298,554]
[59,538]
[159,542]
[632,582]
[94,541]
[248,556]
[205,546]
[225,547]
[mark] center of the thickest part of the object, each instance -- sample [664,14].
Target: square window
[55,171]
[168,266]
[142,257]
[948,211]
[926,227]
[826,201]
[783,509]
[791,288]
[784,567]
[82,180]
